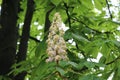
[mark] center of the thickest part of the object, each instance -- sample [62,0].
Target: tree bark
[21,56]
[26,31]
[8,34]
[47,22]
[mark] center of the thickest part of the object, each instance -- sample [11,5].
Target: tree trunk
[8,34]
[21,56]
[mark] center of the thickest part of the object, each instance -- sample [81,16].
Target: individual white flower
[60,51]
[50,59]
[51,53]
[57,57]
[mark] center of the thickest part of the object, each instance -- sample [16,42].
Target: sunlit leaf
[105,50]
[98,4]
[56,2]
[73,64]
[60,70]
[87,3]
[79,38]
[89,64]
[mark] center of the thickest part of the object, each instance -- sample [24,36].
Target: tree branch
[47,21]
[32,38]
[22,52]
[26,31]
[113,61]
[75,19]
[108,6]
[8,34]
[68,15]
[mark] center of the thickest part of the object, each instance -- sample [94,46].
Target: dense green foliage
[91,34]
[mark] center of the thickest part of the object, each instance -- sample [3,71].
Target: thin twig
[67,12]
[76,19]
[113,60]
[108,6]
[32,38]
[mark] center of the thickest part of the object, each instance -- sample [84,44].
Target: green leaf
[62,72]
[116,75]
[107,74]
[42,70]
[90,77]
[117,43]
[98,4]
[80,65]
[100,64]
[92,48]
[63,63]
[102,25]
[105,26]
[102,59]
[41,13]
[105,50]
[87,3]
[79,38]
[68,35]
[56,2]
[92,51]
[3,77]
[41,49]
[39,71]
[66,1]
[89,64]
[73,64]
[0,2]
[78,10]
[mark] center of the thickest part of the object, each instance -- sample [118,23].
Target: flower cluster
[56,47]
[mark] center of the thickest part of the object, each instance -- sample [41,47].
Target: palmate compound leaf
[92,48]
[23,66]
[102,25]
[43,70]
[107,26]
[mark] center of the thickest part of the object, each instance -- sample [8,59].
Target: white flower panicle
[56,47]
